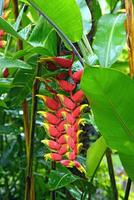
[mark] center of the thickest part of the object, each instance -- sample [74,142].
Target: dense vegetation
[66,99]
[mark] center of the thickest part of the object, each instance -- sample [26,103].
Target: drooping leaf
[110,38]
[21,87]
[43,35]
[86,16]
[111,98]
[60,179]
[6,62]
[94,156]
[65,14]
[8,28]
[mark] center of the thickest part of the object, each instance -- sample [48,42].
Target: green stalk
[111,174]
[29,178]
[128,187]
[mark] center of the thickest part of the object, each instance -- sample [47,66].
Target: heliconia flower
[61,125]
[52,130]
[76,113]
[77,75]
[5,73]
[53,156]
[2,43]
[63,149]
[51,144]
[76,135]
[69,129]
[63,139]
[67,163]
[62,75]
[51,66]
[68,116]
[77,148]
[51,118]
[78,96]
[59,112]
[63,62]
[67,86]
[81,121]
[2,33]
[50,103]
[6,4]
[71,155]
[79,167]
[67,102]
[71,143]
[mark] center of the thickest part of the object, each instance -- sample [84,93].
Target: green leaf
[128,163]
[110,38]
[21,87]
[94,156]
[111,98]
[65,14]
[86,16]
[13,63]
[8,28]
[59,179]
[107,89]
[43,35]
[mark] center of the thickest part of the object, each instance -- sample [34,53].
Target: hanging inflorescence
[64,113]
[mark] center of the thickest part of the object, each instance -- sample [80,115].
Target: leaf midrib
[109,42]
[117,115]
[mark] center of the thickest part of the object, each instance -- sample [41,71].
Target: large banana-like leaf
[111,95]
[65,14]
[110,38]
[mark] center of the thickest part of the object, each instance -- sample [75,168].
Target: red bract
[50,103]
[67,86]
[51,144]
[51,118]
[52,130]
[66,163]
[64,148]
[63,139]
[6,3]
[67,102]
[71,155]
[53,156]
[68,116]
[63,62]
[5,73]
[2,33]
[76,113]
[77,75]
[78,96]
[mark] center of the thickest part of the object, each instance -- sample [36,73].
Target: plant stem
[111,174]
[128,187]
[31,139]
[63,36]
[53,193]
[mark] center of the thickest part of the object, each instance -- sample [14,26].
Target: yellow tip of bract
[42,113]
[63,114]
[61,97]
[66,126]
[45,141]
[41,96]
[82,121]
[47,156]
[46,125]
[46,59]
[82,169]
[79,132]
[83,106]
